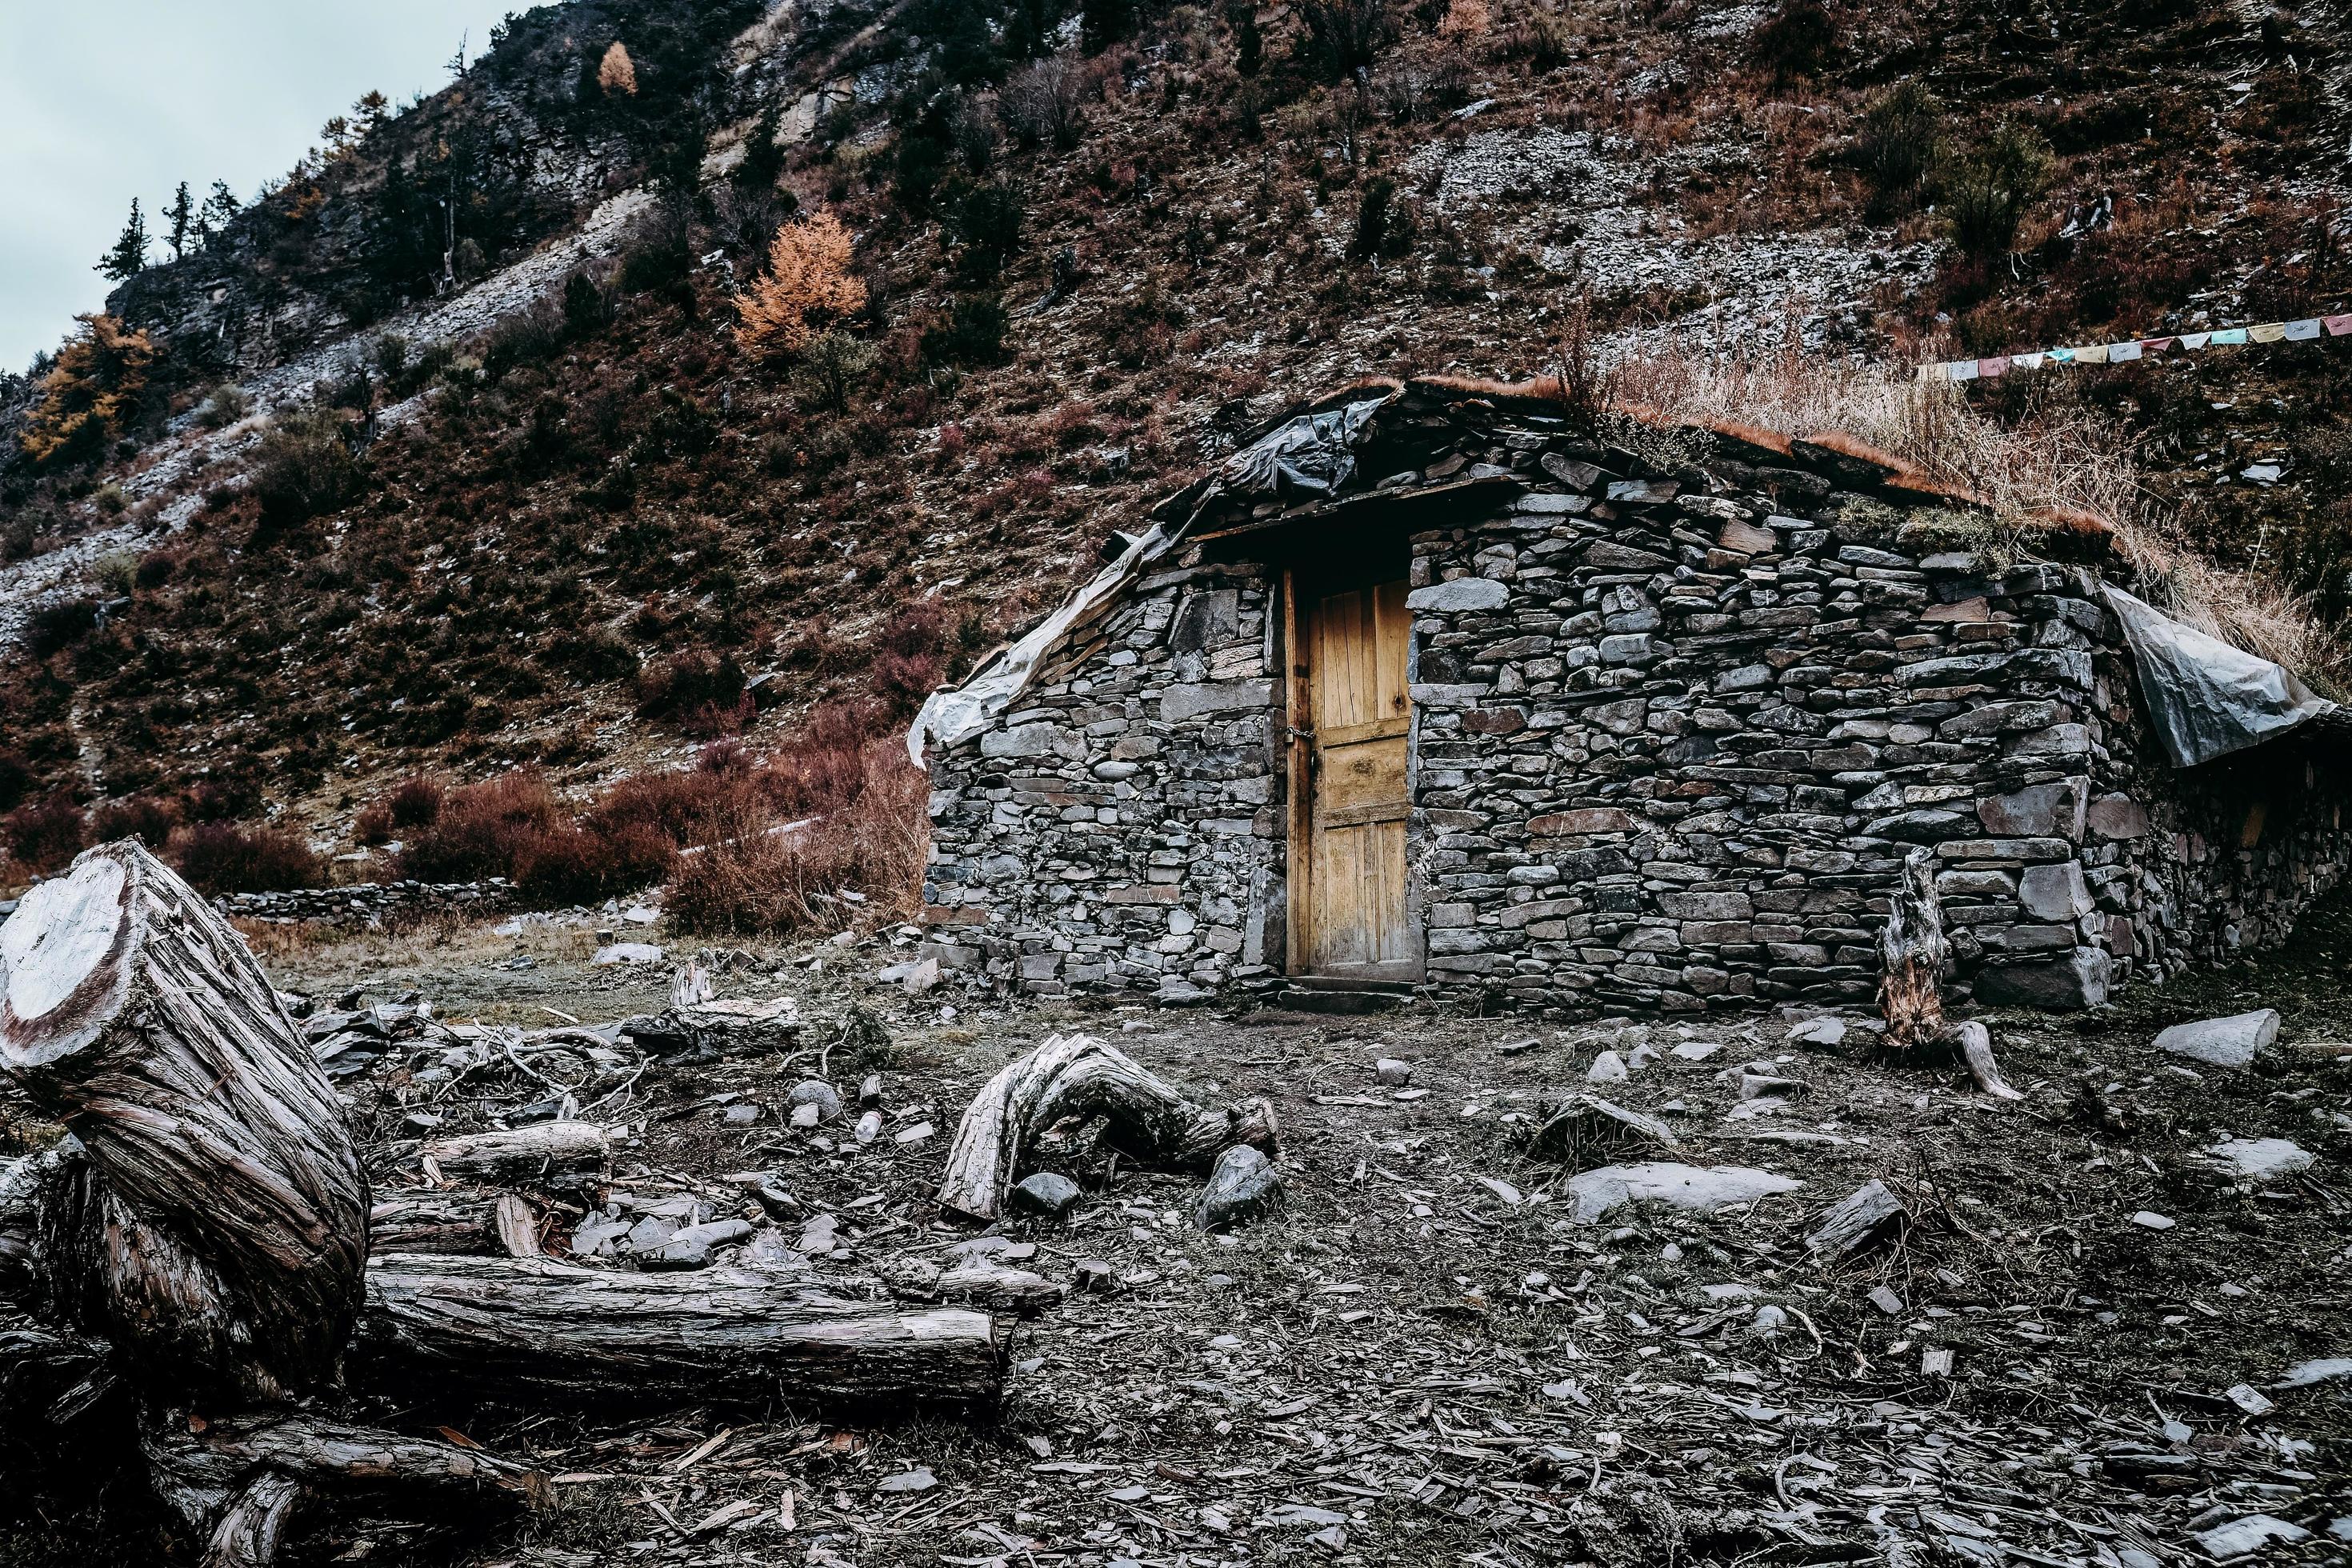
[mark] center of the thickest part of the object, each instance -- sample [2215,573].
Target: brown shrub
[140,816]
[43,835]
[478,830]
[222,858]
[513,827]
[755,876]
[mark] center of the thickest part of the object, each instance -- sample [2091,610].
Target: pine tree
[127,258]
[182,214]
[373,110]
[219,207]
[618,73]
[808,277]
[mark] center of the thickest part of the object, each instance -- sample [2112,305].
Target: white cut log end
[51,949]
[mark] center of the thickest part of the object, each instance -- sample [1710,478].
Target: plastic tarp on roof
[2206,697]
[1313,454]
[951,715]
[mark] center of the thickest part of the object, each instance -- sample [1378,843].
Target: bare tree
[1046,101]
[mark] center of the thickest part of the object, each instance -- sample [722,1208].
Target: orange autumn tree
[618,73]
[89,393]
[808,280]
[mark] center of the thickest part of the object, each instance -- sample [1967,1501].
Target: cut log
[1079,1076]
[1914,956]
[533,1329]
[541,1150]
[429,1221]
[216,1229]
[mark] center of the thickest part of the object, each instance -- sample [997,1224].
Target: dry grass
[2065,462]
[758,874]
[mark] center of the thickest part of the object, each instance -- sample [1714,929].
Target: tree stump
[1914,956]
[215,1230]
[1078,1074]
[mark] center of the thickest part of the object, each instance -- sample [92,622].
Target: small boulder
[1244,1185]
[1607,1068]
[2229,1042]
[811,1091]
[1048,1194]
[689,1247]
[1392,1072]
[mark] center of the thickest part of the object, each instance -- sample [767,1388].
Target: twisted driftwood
[1080,1076]
[1914,957]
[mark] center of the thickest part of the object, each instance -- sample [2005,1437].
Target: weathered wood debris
[192,1264]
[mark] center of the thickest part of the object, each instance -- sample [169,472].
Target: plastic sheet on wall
[2206,697]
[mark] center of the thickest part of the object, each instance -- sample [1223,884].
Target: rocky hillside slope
[387,490]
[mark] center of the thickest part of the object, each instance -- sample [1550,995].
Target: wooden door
[1351,716]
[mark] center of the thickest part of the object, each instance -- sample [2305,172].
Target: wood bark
[537,1330]
[1080,1076]
[239,1482]
[215,1228]
[526,1153]
[1914,954]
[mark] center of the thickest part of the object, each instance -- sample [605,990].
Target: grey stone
[1868,1215]
[1460,594]
[2117,817]
[1204,619]
[1702,1189]
[815,1092]
[2230,1042]
[2053,810]
[2262,1159]
[2055,893]
[2079,980]
[689,1247]
[1393,1072]
[1181,702]
[1242,1186]
[1048,1194]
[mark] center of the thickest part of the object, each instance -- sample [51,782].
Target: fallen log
[214,1224]
[537,1330]
[1080,1076]
[534,1153]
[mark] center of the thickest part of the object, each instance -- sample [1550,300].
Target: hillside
[381,494]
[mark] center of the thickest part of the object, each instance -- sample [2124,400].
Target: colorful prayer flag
[2268,332]
[2118,353]
[2336,325]
[2302,331]
[2195,340]
[2228,336]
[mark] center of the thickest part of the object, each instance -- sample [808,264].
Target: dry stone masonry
[1680,713]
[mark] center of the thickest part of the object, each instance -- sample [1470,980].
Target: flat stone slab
[2262,1159]
[2229,1042]
[1701,1189]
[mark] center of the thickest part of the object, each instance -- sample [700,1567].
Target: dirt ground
[1424,1358]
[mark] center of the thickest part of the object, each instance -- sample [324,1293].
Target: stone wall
[1676,728]
[1121,828]
[368,903]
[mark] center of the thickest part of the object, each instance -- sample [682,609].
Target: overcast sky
[101,100]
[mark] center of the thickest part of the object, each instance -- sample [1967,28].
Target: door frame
[1297,713]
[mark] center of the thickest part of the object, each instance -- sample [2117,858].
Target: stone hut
[1426,688]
